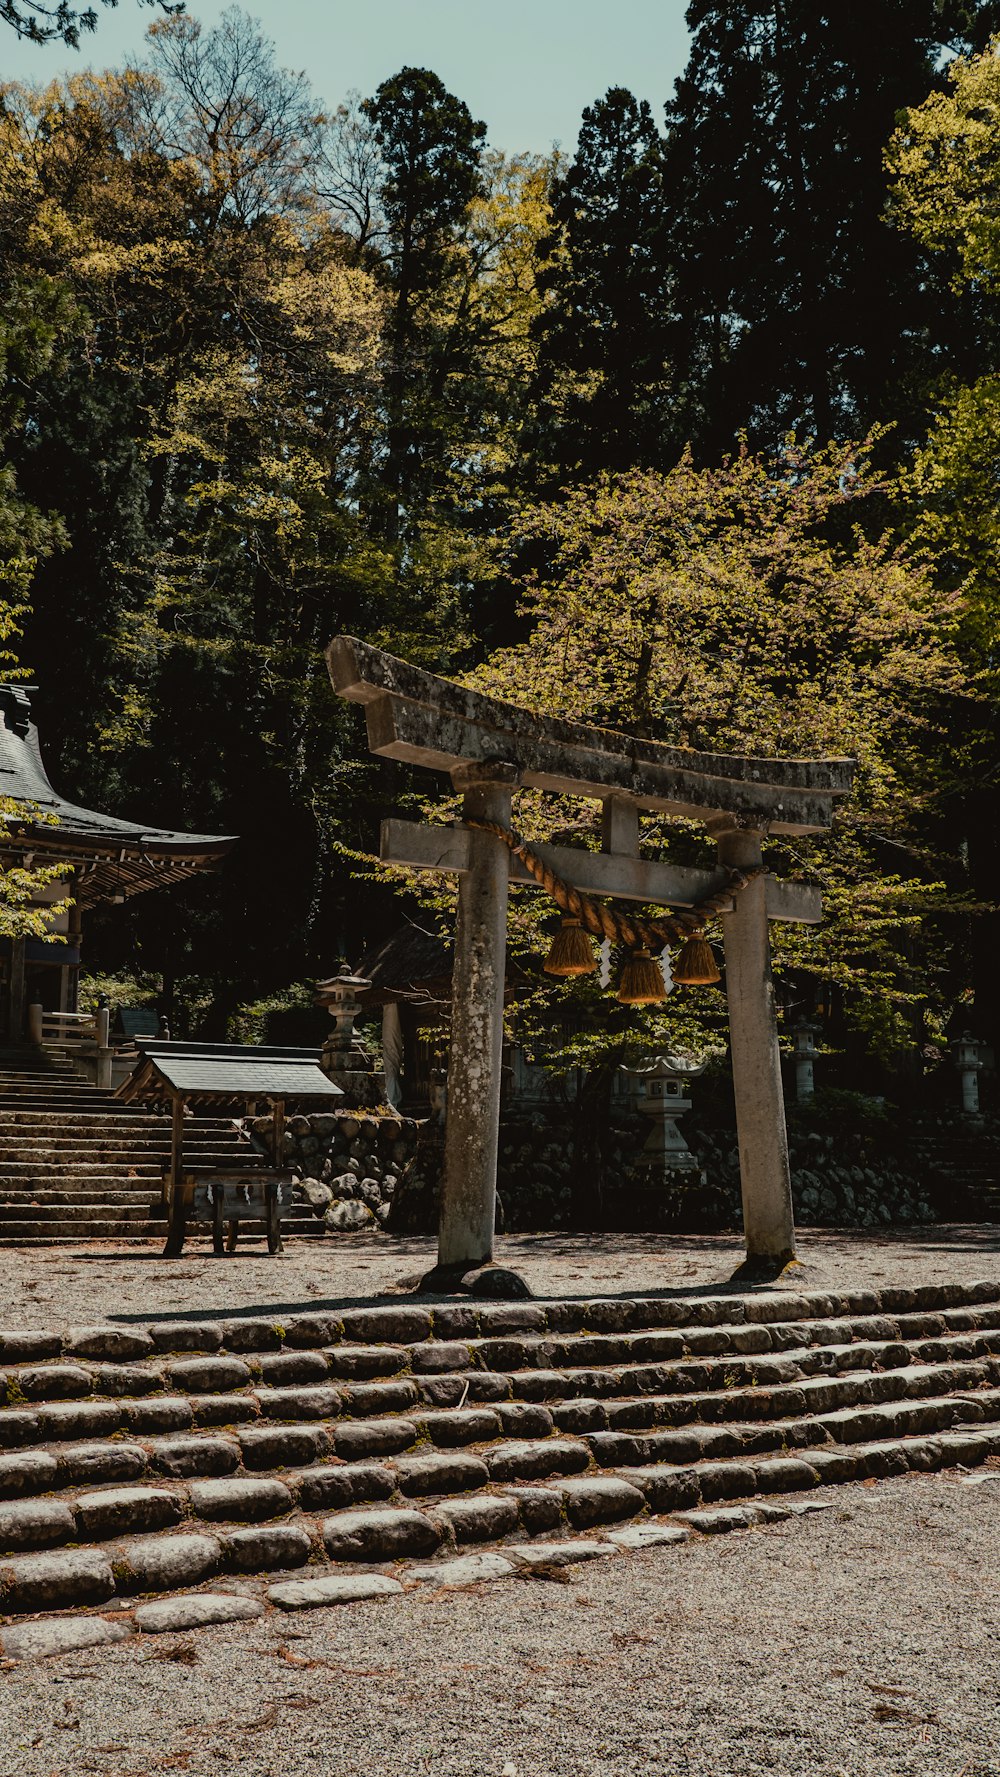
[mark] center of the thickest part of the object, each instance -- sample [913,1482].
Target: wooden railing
[86,1035]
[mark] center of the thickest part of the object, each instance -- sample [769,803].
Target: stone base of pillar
[766,1269]
[495,1282]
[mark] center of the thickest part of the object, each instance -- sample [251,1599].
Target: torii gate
[489,748]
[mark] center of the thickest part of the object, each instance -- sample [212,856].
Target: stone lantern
[344,1060]
[664,1096]
[804,1040]
[968,1060]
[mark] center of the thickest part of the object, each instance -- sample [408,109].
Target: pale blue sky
[527,67]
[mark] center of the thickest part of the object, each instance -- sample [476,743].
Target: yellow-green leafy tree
[762,608]
[944,159]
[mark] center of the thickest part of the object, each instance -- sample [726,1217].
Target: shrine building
[106,859]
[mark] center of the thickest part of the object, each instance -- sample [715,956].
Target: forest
[693,431]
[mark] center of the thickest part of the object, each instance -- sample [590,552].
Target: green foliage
[760,607]
[744,608]
[248,1023]
[832,1107]
[125,989]
[944,159]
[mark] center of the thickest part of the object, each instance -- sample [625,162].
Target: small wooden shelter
[225,1076]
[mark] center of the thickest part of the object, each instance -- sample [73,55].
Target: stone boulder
[348,1217]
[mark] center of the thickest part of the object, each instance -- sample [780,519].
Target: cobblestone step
[88,1150]
[142,1460]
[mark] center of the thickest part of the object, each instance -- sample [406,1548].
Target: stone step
[117,1191]
[31,1231]
[150,1164]
[70,1104]
[111,1144]
[924,1311]
[274,1424]
[93,1187]
[67,1079]
[56,1073]
[141,1540]
[56,1125]
[124,1208]
[139,1458]
[441,1372]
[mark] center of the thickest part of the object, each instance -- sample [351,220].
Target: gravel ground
[859,1642]
[61,1286]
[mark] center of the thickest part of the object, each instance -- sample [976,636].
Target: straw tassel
[642,981]
[571,952]
[696,965]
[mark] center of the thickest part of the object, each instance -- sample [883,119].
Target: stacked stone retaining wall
[349,1164]
[359,1171]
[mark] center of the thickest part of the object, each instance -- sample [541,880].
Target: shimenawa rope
[607,922]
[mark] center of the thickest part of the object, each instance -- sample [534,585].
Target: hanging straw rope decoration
[695,964]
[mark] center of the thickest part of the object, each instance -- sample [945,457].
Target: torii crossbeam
[489,748]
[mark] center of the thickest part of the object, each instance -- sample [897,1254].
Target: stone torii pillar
[488,748]
[472,1125]
[765,1179]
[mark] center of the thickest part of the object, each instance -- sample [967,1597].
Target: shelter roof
[201,1071]
[114,858]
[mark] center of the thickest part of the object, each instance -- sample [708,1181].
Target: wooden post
[75,938]
[765,1180]
[472,1127]
[277,1131]
[17,989]
[175,1186]
[103,1025]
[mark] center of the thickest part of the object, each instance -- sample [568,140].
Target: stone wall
[551,1176]
[358,1171]
[348,1163]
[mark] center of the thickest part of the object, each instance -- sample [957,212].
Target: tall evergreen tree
[431,149]
[798,306]
[602,327]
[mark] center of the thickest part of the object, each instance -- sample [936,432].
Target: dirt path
[51,1286]
[862,1642]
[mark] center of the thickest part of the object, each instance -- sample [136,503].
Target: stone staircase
[161,1475]
[77,1164]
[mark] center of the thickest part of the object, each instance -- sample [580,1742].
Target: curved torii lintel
[430,721]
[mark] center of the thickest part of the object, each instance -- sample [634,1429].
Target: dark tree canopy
[602,330]
[431,147]
[798,304]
